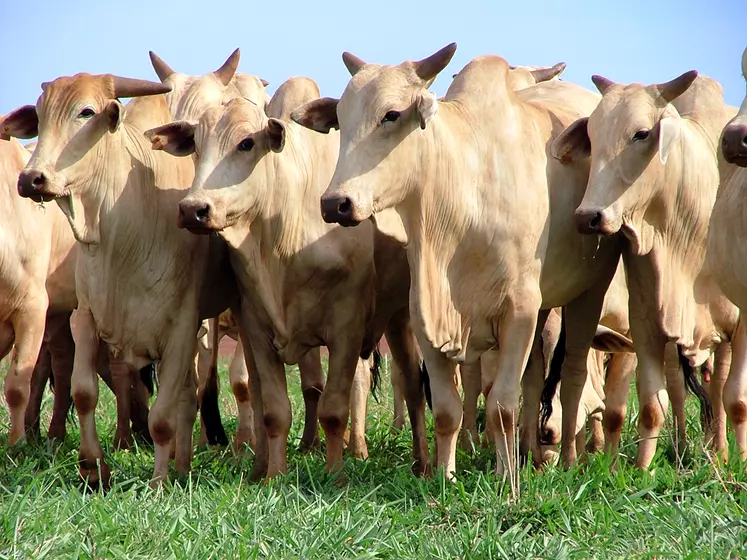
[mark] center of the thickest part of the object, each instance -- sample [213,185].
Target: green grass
[381,511]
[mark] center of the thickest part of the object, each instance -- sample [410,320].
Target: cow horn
[162,69]
[265,83]
[226,72]
[132,87]
[671,90]
[545,74]
[352,62]
[428,68]
[602,83]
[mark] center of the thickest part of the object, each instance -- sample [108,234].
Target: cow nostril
[345,207]
[39,180]
[202,213]
[596,221]
[744,141]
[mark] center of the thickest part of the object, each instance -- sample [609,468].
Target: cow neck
[674,230]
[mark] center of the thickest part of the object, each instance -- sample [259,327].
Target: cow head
[734,137]
[232,143]
[381,111]
[630,136]
[71,117]
[191,96]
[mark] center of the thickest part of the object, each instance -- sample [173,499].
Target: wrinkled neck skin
[673,232]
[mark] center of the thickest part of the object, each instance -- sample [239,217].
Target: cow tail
[425,382]
[692,383]
[209,411]
[148,377]
[553,376]
[376,373]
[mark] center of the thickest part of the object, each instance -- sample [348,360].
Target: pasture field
[379,511]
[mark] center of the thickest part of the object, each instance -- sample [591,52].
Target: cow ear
[176,138]
[427,107]
[276,134]
[115,114]
[389,223]
[607,340]
[573,143]
[319,115]
[669,131]
[21,123]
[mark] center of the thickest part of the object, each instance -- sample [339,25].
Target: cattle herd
[519,233]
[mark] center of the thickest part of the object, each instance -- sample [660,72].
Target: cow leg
[334,403]
[676,392]
[122,388]
[620,370]
[717,431]
[170,402]
[596,440]
[735,389]
[202,368]
[471,382]
[238,375]
[358,405]
[61,351]
[39,379]
[85,388]
[581,320]
[405,357]
[28,326]
[652,394]
[532,383]
[185,421]
[139,404]
[398,388]
[487,377]
[312,386]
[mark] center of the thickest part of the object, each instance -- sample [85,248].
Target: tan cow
[654,177]
[304,283]
[483,258]
[142,284]
[726,260]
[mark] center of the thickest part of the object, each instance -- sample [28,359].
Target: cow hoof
[96,475]
[122,442]
[258,472]
[310,447]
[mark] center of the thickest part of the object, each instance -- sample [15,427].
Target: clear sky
[625,40]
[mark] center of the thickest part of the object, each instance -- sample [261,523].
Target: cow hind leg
[238,375]
[122,389]
[312,386]
[39,379]
[472,385]
[185,421]
[62,353]
[532,383]
[676,391]
[398,388]
[716,432]
[620,370]
[358,405]
[735,389]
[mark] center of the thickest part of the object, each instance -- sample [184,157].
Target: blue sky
[627,41]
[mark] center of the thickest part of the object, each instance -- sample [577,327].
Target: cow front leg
[620,371]
[471,382]
[403,347]
[85,388]
[39,379]
[715,434]
[122,388]
[735,389]
[652,394]
[676,391]
[312,386]
[398,390]
[62,353]
[532,383]
[185,421]
[28,326]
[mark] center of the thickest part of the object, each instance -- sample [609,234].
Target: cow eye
[86,113]
[390,116]
[245,145]
[641,135]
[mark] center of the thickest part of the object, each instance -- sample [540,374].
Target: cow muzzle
[734,144]
[339,209]
[35,184]
[198,216]
[593,222]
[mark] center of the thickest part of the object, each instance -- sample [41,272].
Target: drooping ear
[226,72]
[670,128]
[427,107]
[176,138]
[162,69]
[545,74]
[21,123]
[389,223]
[573,143]
[428,68]
[671,90]
[607,340]
[115,114]
[602,83]
[276,134]
[352,62]
[319,115]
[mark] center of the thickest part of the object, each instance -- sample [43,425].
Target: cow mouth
[739,160]
[200,230]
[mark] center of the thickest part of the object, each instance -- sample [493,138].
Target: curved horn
[545,74]
[352,62]
[162,69]
[671,90]
[132,87]
[602,83]
[265,83]
[226,72]
[428,68]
